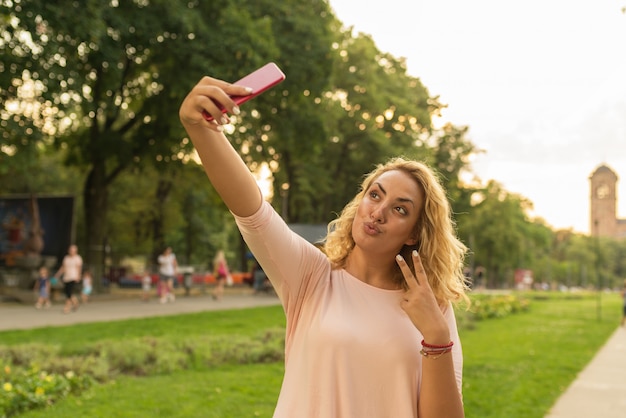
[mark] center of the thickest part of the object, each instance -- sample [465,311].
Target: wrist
[435,351]
[437,338]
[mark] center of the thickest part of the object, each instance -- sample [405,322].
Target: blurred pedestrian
[221,272]
[42,287]
[87,286]
[71,271]
[146,286]
[168,268]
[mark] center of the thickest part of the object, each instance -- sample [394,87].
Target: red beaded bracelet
[449,345]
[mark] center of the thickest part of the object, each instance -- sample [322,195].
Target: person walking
[71,271]
[168,268]
[146,286]
[42,287]
[371,330]
[221,272]
[87,286]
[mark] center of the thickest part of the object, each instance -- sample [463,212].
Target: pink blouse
[350,350]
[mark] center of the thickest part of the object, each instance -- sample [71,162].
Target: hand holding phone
[259,81]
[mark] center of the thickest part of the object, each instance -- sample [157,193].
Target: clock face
[602,191]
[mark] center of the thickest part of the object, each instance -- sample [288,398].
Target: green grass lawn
[73,338]
[227,391]
[515,367]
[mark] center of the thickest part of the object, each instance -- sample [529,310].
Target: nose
[377,214]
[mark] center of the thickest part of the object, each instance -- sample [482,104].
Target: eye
[374,194]
[401,210]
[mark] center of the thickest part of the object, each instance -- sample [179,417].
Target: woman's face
[386,217]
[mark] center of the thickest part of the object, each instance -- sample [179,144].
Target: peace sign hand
[420,304]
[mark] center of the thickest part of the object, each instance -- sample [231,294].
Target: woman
[168,268]
[370,327]
[221,272]
[72,270]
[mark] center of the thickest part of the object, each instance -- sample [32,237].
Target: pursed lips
[370,228]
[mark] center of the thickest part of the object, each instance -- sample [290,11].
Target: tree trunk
[158,235]
[95,201]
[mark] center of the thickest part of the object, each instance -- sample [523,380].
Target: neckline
[369,286]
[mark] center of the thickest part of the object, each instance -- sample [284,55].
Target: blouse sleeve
[293,265]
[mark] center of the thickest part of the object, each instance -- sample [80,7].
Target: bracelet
[435,354]
[426,345]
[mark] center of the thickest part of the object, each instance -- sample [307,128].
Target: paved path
[110,308]
[599,391]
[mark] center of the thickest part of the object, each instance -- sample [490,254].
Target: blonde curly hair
[441,251]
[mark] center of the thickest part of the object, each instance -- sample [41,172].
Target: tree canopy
[90,93]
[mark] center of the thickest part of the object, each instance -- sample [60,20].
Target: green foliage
[107,83]
[22,389]
[226,391]
[37,375]
[90,93]
[485,306]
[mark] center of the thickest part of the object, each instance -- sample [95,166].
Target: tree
[107,81]
[452,151]
[107,85]
[498,226]
[372,110]
[292,133]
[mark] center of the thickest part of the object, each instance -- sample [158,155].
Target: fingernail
[248,89]
[415,254]
[236,110]
[220,128]
[399,257]
[223,120]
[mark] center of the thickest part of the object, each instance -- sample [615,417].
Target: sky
[541,84]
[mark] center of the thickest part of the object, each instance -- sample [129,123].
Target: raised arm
[226,170]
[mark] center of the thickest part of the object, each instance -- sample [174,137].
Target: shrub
[486,306]
[36,375]
[22,389]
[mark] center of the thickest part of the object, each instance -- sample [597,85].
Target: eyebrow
[401,199]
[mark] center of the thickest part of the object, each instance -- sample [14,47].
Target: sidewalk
[600,389]
[104,308]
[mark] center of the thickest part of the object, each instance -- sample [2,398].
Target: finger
[213,100]
[418,267]
[229,90]
[220,95]
[410,279]
[420,273]
[238,90]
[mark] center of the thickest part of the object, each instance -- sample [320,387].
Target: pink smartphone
[259,81]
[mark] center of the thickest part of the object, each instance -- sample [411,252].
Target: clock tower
[603,202]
